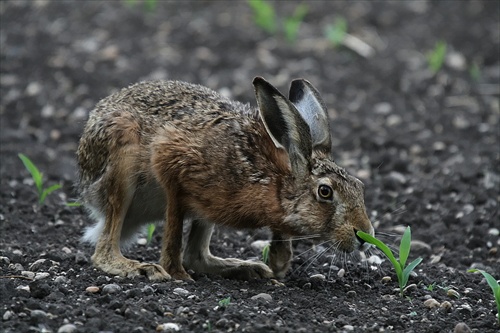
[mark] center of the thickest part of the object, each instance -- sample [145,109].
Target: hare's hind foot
[230,268]
[119,265]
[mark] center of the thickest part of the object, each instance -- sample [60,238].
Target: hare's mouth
[361,245]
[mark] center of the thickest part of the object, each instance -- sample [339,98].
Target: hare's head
[320,198]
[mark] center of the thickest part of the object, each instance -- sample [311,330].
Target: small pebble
[375,260]
[7,315]
[320,277]
[4,260]
[453,293]
[461,328]
[41,275]
[341,273]
[259,245]
[446,306]
[142,241]
[111,288]
[431,303]
[92,289]
[38,314]
[386,279]
[37,264]
[348,328]
[168,327]
[28,274]
[263,296]
[494,232]
[61,279]
[351,294]
[181,292]
[67,328]
[66,250]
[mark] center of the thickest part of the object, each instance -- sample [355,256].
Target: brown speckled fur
[172,150]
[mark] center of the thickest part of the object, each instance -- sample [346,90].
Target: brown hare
[173,151]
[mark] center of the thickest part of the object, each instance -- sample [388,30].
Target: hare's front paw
[119,265]
[230,268]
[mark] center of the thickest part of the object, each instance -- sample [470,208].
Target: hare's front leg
[107,255]
[197,257]
[171,252]
[280,255]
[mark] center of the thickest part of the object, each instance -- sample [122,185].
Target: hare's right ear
[312,108]
[285,126]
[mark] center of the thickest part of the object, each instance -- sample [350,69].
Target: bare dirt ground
[425,144]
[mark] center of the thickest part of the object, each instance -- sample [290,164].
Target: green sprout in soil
[475,71]
[149,5]
[150,230]
[37,176]
[264,16]
[495,287]
[74,204]
[435,58]
[402,272]
[265,254]
[224,303]
[336,32]
[292,23]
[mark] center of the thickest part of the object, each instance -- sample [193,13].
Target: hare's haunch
[171,151]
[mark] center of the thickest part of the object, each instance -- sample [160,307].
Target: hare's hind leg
[120,190]
[197,257]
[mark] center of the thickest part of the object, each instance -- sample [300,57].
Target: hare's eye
[325,192]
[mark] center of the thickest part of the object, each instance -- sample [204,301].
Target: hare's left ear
[313,110]
[285,126]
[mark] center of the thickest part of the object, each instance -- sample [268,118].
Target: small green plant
[292,23]
[149,5]
[264,15]
[337,31]
[225,302]
[265,253]
[475,71]
[431,286]
[37,176]
[73,204]
[402,272]
[151,231]
[495,287]
[435,58]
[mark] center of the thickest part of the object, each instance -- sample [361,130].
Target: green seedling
[475,71]
[225,302]
[264,15]
[265,254]
[402,272]
[292,23]
[150,230]
[336,32]
[435,58]
[73,204]
[495,287]
[149,5]
[38,179]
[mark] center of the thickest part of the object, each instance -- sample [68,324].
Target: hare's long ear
[312,108]
[285,126]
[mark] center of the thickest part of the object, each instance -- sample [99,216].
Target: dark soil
[425,144]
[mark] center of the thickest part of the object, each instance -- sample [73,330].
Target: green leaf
[47,191]
[74,204]
[408,269]
[151,230]
[384,248]
[265,254]
[435,58]
[336,32]
[225,302]
[495,287]
[404,246]
[292,24]
[35,173]
[264,15]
